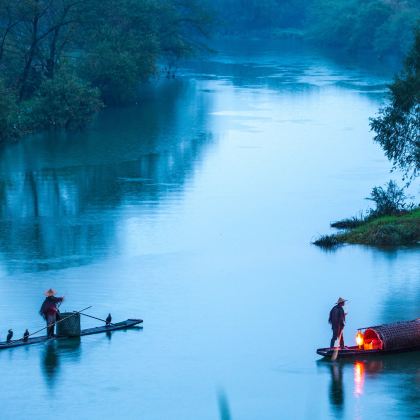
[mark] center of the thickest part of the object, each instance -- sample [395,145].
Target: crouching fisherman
[49,310]
[337,320]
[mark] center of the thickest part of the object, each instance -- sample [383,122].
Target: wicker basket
[399,335]
[69,327]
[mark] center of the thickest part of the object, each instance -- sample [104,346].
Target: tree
[121,47]
[183,24]
[57,57]
[10,18]
[397,127]
[379,26]
[33,36]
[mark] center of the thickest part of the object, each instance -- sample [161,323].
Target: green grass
[349,223]
[383,231]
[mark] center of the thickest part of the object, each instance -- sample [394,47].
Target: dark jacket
[337,317]
[49,306]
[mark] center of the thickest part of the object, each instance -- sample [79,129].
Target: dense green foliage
[244,17]
[64,101]
[60,59]
[8,113]
[397,127]
[381,26]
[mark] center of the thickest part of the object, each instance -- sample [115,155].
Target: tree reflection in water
[62,196]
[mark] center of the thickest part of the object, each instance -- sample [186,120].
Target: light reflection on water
[195,212]
[370,377]
[359,378]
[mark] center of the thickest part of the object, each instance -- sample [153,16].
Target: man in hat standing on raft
[337,320]
[49,310]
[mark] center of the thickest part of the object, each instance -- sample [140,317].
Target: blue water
[195,211]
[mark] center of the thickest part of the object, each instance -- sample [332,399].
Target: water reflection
[54,351]
[206,244]
[399,372]
[292,73]
[359,378]
[336,387]
[223,403]
[59,194]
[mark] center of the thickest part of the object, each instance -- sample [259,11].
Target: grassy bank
[379,231]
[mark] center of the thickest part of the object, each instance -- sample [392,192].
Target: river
[195,211]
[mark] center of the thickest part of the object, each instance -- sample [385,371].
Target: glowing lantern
[359,339]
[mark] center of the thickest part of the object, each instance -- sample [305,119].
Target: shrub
[327,241]
[390,201]
[118,62]
[64,102]
[8,112]
[14,121]
[115,74]
[349,223]
[388,235]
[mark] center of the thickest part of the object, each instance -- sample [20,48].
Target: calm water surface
[195,211]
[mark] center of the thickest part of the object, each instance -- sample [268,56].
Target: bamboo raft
[397,337]
[129,323]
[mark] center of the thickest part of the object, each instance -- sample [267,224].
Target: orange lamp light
[359,339]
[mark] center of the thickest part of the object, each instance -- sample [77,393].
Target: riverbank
[399,230]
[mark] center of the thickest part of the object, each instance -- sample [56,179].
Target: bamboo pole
[54,323]
[99,319]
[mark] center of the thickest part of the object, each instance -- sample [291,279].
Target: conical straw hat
[50,292]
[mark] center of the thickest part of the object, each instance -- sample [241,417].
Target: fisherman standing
[337,320]
[49,310]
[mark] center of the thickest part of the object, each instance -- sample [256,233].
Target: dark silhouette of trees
[59,59]
[397,127]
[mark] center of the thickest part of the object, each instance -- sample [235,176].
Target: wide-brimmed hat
[50,292]
[341,300]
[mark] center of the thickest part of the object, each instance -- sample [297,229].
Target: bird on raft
[26,335]
[9,336]
[108,320]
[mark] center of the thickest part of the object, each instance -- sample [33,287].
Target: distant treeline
[61,60]
[379,26]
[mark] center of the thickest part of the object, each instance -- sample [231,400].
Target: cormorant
[108,320]
[9,336]
[26,335]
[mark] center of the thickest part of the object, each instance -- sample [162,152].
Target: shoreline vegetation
[63,61]
[381,27]
[397,129]
[380,231]
[391,223]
